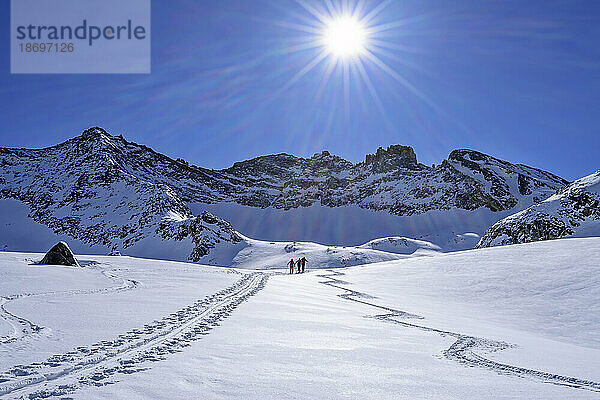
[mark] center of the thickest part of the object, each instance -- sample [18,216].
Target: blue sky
[514,79]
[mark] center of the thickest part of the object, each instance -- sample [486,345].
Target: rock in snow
[59,254]
[574,211]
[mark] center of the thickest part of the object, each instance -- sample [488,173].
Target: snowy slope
[259,254]
[515,322]
[402,245]
[54,309]
[549,288]
[111,194]
[299,339]
[574,211]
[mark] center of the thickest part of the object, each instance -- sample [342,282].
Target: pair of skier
[300,265]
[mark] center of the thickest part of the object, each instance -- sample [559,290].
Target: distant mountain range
[107,192]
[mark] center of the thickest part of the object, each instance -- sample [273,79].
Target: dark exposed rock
[59,254]
[394,157]
[524,185]
[205,232]
[563,214]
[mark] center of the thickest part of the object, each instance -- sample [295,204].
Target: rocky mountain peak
[395,156]
[325,162]
[460,155]
[95,133]
[90,143]
[273,164]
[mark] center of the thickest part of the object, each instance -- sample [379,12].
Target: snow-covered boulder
[60,254]
[574,211]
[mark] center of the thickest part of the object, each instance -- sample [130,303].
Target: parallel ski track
[131,352]
[462,350]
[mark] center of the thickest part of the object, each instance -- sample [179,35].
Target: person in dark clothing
[291,264]
[298,265]
[303,259]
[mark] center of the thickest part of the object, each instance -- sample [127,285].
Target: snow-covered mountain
[574,211]
[390,180]
[117,195]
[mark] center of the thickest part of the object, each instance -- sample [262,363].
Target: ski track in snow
[462,350]
[63,374]
[23,328]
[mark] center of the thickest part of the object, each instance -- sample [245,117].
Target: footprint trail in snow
[463,349]
[131,351]
[22,328]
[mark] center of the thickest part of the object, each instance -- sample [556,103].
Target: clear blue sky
[519,80]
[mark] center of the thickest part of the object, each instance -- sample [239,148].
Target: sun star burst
[344,36]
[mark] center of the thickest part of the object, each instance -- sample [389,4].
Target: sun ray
[346,82]
[394,25]
[399,59]
[328,72]
[367,19]
[396,76]
[359,8]
[320,16]
[404,82]
[299,27]
[303,46]
[307,68]
[367,80]
[395,46]
[331,7]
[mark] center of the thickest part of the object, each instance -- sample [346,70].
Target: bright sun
[345,36]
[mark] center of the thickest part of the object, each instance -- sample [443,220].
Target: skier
[299,265]
[303,263]
[291,264]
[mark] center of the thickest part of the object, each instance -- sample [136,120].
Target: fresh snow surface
[550,289]
[513,322]
[258,254]
[402,245]
[79,306]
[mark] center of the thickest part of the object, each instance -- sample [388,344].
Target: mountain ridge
[573,211]
[104,189]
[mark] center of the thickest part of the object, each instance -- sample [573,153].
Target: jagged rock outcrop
[205,231]
[392,158]
[60,254]
[572,211]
